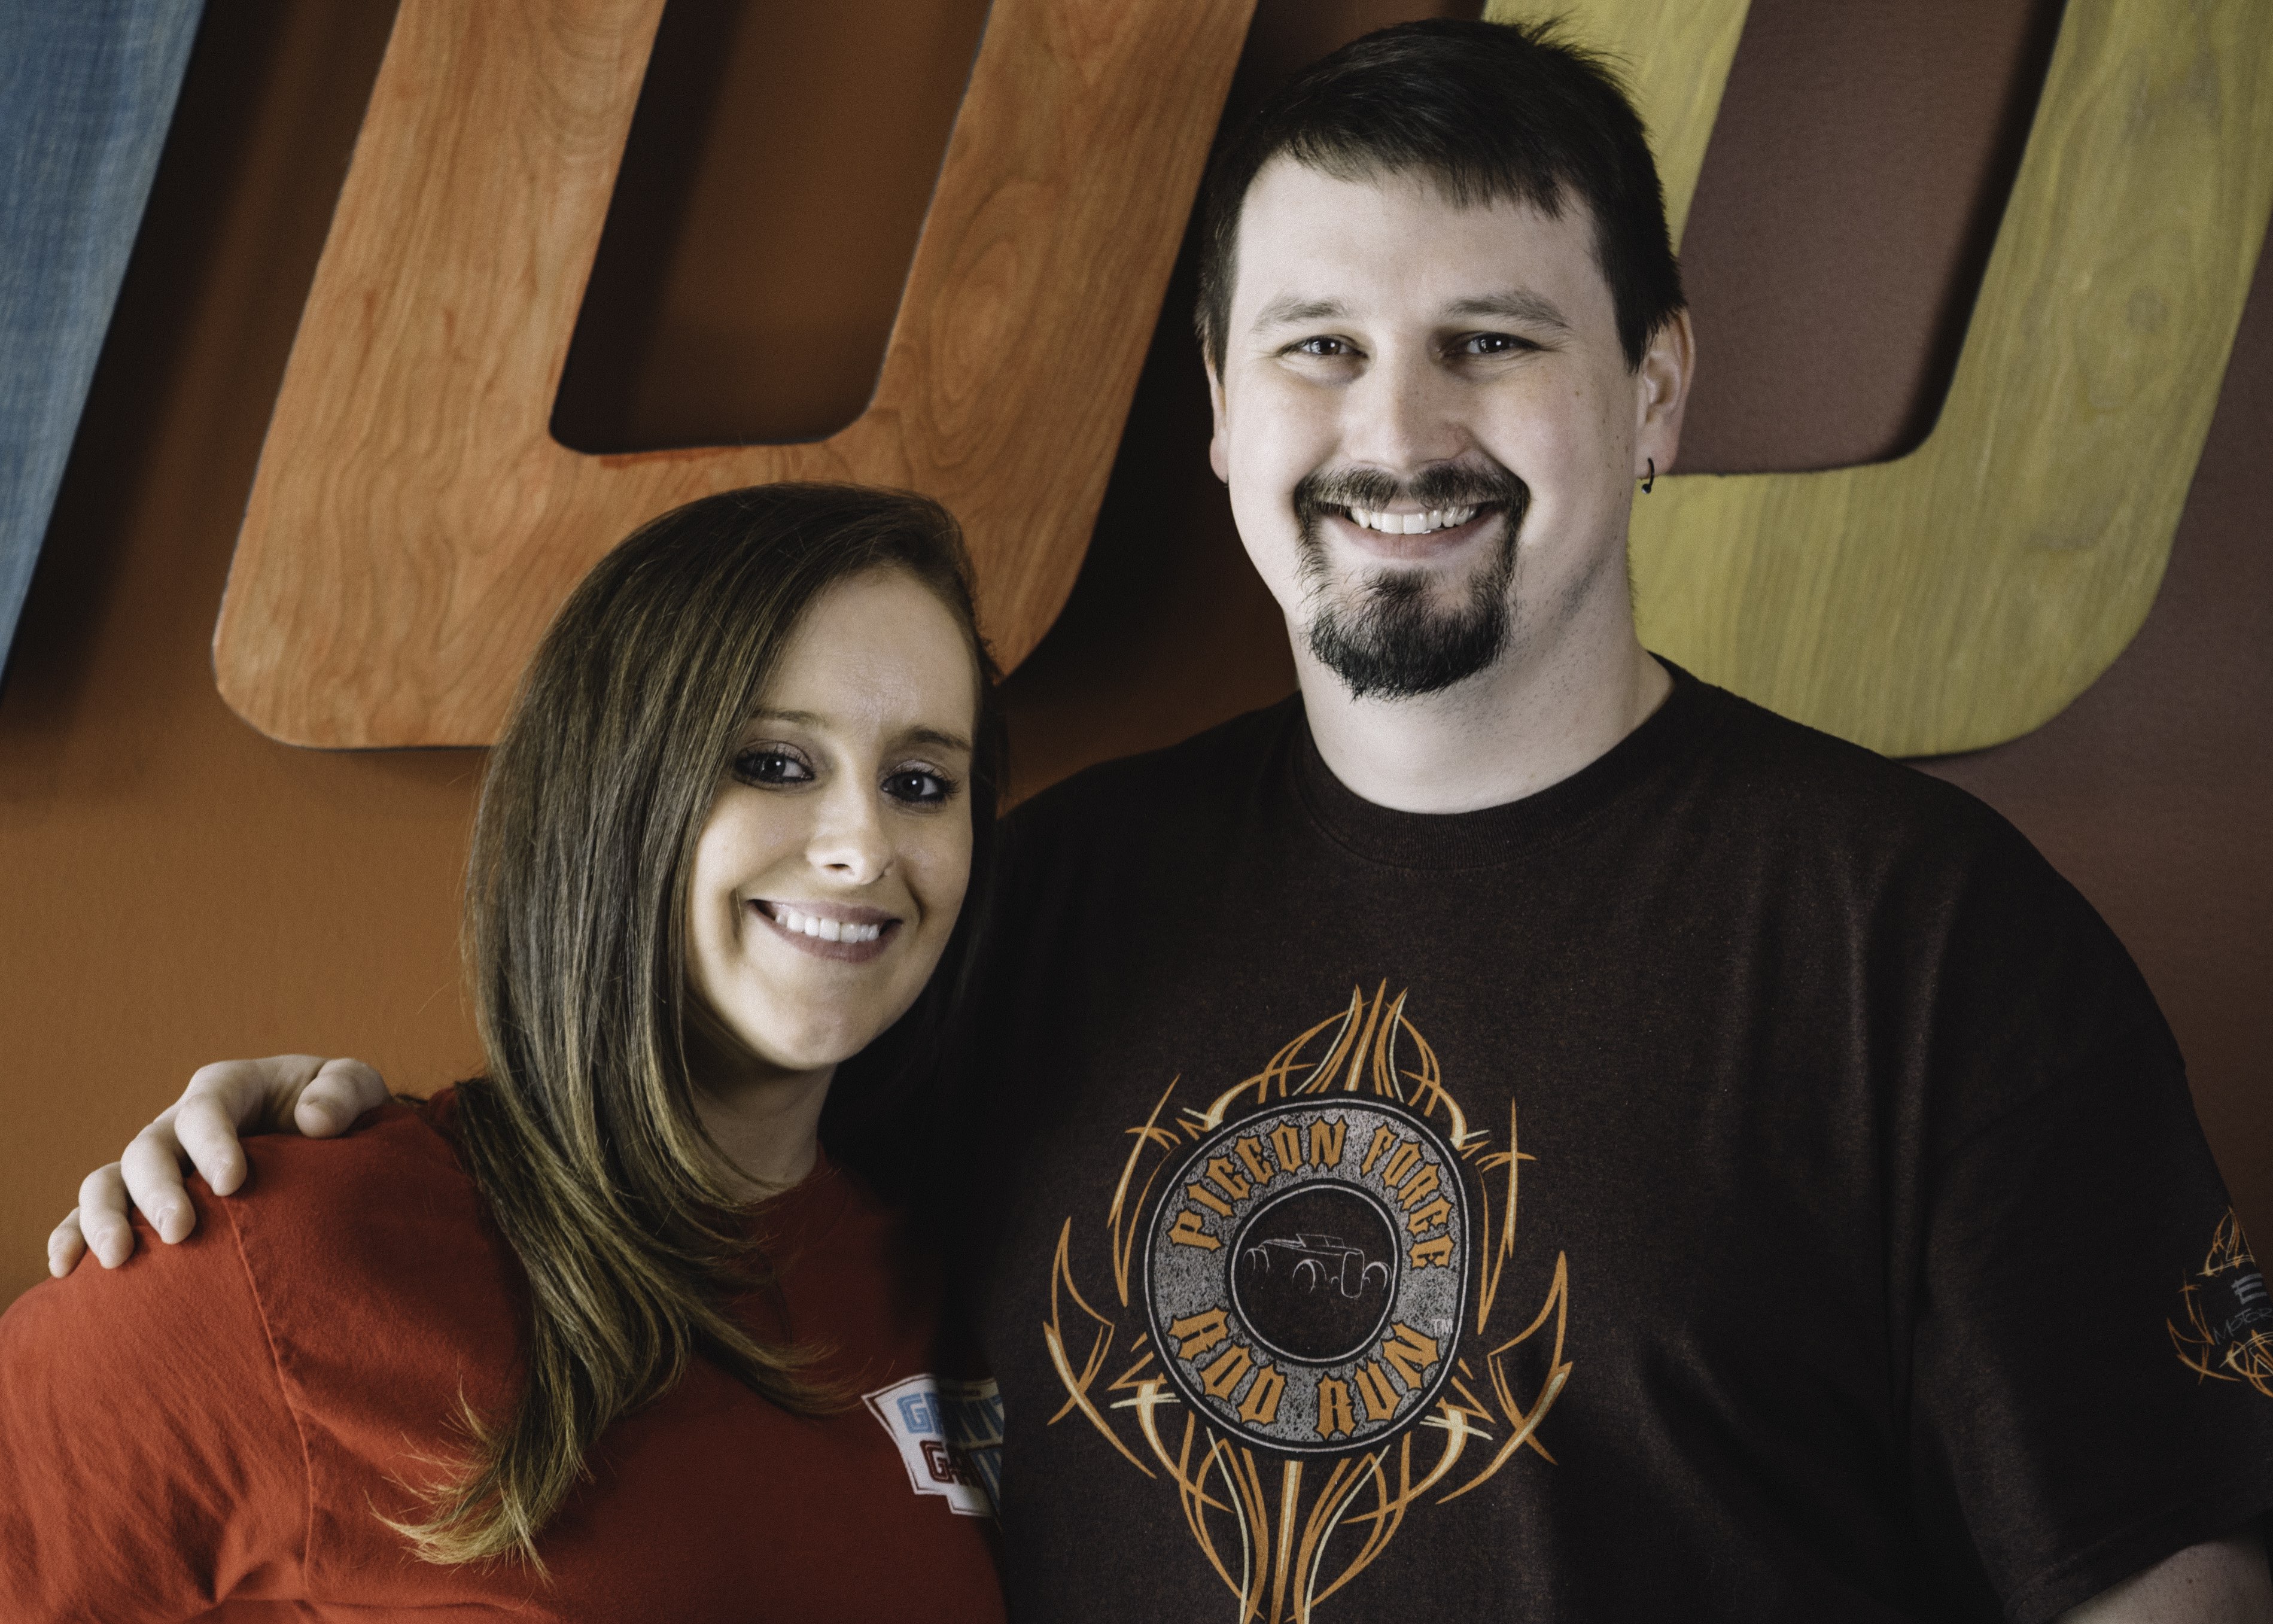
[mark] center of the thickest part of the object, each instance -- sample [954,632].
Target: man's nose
[849,841]
[1401,416]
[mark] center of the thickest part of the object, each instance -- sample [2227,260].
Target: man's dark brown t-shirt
[1742,1181]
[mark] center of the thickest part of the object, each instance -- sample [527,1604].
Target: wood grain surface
[1674,57]
[413,524]
[1963,595]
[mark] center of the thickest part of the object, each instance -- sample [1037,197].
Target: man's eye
[766,765]
[1493,344]
[919,786]
[1332,348]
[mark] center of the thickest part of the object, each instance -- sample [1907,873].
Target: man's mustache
[1445,484]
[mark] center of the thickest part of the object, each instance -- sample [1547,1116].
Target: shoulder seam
[2138,1031]
[283,1393]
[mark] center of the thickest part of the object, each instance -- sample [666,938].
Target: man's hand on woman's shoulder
[284,1094]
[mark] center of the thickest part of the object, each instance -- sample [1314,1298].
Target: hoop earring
[1652,480]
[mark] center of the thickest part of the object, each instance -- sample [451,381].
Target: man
[1517,1131]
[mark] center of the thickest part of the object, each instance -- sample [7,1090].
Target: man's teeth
[1412,523]
[828,930]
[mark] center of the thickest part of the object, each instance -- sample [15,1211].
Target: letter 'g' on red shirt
[214,1428]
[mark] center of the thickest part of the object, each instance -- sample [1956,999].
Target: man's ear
[1661,394]
[1219,453]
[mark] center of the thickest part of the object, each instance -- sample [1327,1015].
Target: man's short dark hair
[1487,112]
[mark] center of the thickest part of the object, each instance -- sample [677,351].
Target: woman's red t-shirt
[215,1429]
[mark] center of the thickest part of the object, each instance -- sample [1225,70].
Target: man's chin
[1437,590]
[1435,617]
[1388,645]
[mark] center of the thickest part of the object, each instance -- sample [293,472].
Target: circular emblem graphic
[1307,1270]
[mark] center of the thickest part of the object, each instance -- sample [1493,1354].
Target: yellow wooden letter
[1964,594]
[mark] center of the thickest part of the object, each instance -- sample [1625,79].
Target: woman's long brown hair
[583,1135]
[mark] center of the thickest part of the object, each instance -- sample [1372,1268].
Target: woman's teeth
[828,930]
[1412,523]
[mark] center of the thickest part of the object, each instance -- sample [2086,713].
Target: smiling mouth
[827,930]
[1431,516]
[1422,523]
[854,939]
[1418,537]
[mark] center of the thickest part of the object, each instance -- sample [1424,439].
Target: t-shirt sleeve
[149,1465]
[2092,1378]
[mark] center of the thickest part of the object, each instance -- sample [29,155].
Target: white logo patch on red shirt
[950,1435]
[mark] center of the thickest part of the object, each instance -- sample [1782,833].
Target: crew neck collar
[1506,832]
[806,1211]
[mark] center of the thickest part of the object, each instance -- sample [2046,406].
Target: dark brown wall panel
[768,207]
[1849,200]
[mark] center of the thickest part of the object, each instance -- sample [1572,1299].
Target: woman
[589,1335]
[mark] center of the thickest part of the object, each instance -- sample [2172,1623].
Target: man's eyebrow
[1515,305]
[914,735]
[1289,308]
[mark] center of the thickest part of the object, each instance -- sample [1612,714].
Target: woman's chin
[780,1052]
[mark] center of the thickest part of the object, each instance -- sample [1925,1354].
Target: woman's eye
[768,766]
[918,786]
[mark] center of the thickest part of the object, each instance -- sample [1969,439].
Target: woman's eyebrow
[939,738]
[795,719]
[934,736]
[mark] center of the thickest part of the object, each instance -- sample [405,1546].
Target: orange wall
[180,889]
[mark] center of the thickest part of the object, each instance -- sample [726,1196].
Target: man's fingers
[256,1096]
[102,1216]
[343,1090]
[152,1170]
[66,1245]
[223,1100]
[202,1129]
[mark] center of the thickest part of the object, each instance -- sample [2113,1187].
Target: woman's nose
[849,840]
